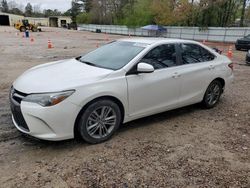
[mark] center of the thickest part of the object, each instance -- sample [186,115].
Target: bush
[83,18]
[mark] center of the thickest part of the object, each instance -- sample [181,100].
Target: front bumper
[47,123]
[248,59]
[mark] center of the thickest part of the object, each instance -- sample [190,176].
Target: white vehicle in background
[127,79]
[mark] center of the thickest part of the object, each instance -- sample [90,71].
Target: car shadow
[30,141]
[158,118]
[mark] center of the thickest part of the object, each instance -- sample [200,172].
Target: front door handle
[176,75]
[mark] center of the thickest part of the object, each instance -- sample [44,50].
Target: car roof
[152,40]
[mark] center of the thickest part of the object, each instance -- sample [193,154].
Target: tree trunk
[243,13]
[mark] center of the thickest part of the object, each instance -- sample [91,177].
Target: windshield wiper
[94,65]
[88,63]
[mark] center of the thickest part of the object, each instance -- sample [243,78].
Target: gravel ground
[188,147]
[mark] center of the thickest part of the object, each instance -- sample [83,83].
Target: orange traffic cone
[230,52]
[49,44]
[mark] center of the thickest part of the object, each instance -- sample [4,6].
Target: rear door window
[192,53]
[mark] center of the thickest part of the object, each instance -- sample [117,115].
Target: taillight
[231,66]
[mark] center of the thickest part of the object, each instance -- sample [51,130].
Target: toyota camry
[92,95]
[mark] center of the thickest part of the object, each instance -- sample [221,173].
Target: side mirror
[217,50]
[145,68]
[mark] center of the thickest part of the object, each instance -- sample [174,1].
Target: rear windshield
[114,55]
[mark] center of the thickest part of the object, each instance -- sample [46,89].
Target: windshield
[113,55]
[248,36]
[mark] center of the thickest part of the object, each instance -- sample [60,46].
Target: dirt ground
[188,147]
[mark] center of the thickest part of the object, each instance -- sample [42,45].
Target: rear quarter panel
[223,70]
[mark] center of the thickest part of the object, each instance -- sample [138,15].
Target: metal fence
[213,34]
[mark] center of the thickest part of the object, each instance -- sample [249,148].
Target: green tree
[87,5]
[4,6]
[28,10]
[202,13]
[16,11]
[139,14]
[75,9]
[67,13]
[83,18]
[220,13]
[243,13]
[163,11]
[49,12]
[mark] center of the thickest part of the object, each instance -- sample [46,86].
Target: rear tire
[213,94]
[99,121]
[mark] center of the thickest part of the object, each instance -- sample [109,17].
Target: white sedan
[92,95]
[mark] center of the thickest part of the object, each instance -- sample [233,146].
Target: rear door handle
[176,75]
[211,67]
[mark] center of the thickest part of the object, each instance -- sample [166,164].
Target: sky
[61,5]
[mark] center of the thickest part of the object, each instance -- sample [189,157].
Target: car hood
[58,76]
[244,39]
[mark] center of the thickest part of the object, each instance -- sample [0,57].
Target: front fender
[116,88]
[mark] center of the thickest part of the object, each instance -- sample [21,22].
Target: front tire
[213,94]
[237,48]
[99,121]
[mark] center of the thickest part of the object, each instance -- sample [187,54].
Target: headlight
[48,99]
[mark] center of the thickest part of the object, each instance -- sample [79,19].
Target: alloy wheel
[213,94]
[101,122]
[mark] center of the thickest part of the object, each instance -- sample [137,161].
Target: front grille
[15,100]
